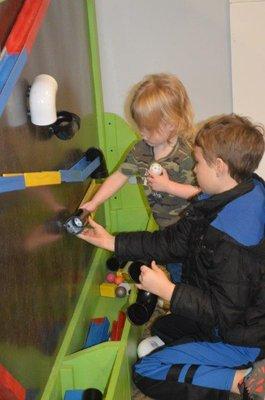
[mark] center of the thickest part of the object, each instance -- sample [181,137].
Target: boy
[215,334]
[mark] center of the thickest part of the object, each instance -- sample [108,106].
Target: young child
[215,335]
[161,110]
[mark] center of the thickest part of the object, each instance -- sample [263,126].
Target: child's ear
[221,167]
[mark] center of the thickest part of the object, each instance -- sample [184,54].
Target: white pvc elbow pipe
[42,100]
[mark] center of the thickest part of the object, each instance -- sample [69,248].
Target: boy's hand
[154,280]
[89,206]
[98,236]
[159,183]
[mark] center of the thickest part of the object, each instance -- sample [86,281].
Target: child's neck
[164,149]
[226,183]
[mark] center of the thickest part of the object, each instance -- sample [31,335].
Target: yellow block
[107,289]
[42,178]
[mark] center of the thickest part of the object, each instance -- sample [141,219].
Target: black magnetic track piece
[134,270]
[101,172]
[92,394]
[66,125]
[141,311]
[113,263]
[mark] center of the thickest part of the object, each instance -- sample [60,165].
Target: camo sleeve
[129,167]
[186,174]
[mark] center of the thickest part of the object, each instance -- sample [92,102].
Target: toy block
[87,394]
[107,289]
[113,334]
[42,178]
[6,65]
[27,25]
[10,70]
[70,176]
[10,388]
[10,184]
[36,24]
[98,332]
[117,327]
[73,395]
[80,170]
[93,165]
[121,319]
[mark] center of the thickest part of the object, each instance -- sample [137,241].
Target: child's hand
[98,236]
[154,280]
[159,183]
[89,206]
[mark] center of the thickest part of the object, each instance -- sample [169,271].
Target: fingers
[154,266]
[145,269]
[87,206]
[164,172]
[84,234]
[139,286]
[92,223]
[150,180]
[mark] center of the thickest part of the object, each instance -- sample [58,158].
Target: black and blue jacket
[220,241]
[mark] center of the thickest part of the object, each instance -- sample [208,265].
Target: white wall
[189,38]
[248,60]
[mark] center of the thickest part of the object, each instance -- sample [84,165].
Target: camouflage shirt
[179,163]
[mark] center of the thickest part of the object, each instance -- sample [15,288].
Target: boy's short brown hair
[234,139]
[162,98]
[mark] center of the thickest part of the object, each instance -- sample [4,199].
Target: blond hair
[234,139]
[162,98]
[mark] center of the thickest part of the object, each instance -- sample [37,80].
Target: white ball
[149,344]
[155,168]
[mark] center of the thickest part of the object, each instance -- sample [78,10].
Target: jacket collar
[207,209]
[212,205]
